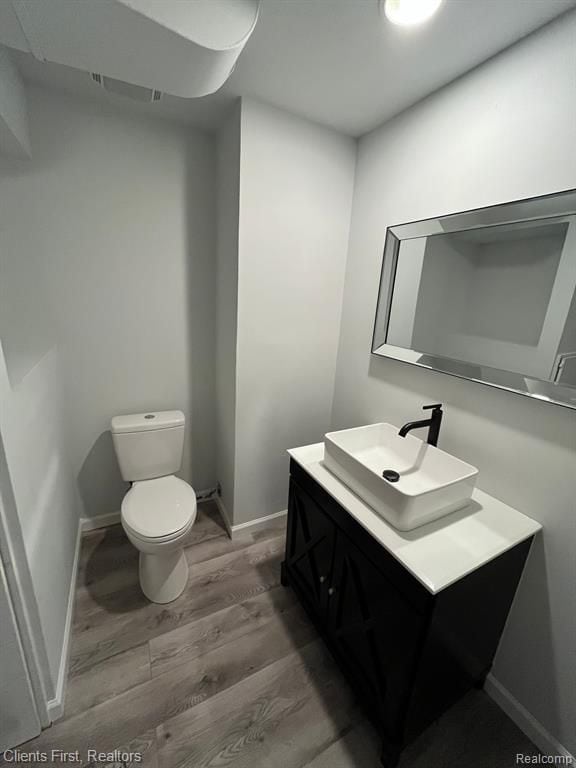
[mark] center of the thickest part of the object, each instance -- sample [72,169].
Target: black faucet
[433,423]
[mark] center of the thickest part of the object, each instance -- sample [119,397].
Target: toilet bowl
[157,516]
[159,509]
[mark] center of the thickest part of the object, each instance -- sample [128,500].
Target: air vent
[127,90]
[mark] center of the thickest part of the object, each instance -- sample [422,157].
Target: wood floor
[230,674]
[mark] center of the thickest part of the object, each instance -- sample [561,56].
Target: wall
[32,425]
[442,291]
[14,133]
[503,132]
[18,717]
[120,214]
[498,310]
[470,307]
[46,499]
[22,592]
[295,199]
[404,306]
[228,184]
[568,340]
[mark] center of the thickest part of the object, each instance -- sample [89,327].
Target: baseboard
[259,522]
[55,706]
[102,521]
[527,723]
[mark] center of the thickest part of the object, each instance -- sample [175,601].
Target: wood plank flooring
[232,674]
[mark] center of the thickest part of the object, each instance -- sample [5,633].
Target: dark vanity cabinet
[409,654]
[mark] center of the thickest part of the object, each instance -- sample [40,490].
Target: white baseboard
[259,522]
[102,521]
[527,723]
[55,706]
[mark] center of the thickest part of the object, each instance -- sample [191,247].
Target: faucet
[433,424]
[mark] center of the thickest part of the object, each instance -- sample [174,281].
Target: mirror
[487,295]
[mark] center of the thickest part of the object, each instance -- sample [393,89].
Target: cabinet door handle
[331,591]
[322,579]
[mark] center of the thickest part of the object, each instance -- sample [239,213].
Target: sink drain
[391,475]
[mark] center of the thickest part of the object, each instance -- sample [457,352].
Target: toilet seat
[159,510]
[138,538]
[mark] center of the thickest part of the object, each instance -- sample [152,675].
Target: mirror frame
[530,209]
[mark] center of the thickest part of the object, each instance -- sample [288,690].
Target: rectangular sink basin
[431,483]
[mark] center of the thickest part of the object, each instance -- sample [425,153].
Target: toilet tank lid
[145,422]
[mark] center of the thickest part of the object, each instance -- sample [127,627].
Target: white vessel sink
[431,483]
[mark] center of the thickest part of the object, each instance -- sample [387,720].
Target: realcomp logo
[544,760]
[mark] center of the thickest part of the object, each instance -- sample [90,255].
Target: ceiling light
[409,12]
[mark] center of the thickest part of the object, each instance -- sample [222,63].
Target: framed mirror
[487,295]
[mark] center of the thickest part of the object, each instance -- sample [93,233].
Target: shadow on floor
[474,733]
[356,743]
[110,572]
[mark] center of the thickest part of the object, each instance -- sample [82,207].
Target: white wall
[47,503]
[119,213]
[32,420]
[442,298]
[407,277]
[228,183]
[512,287]
[503,132]
[295,199]
[18,716]
[508,307]
[568,340]
[14,133]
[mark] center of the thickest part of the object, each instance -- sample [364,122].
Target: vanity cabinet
[408,653]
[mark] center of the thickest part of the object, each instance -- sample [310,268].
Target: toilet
[159,509]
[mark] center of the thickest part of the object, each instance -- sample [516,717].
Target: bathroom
[219,255]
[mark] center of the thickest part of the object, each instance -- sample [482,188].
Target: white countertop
[442,552]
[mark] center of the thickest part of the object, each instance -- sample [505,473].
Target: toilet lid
[159,507]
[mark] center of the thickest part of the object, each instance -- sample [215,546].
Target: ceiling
[338,62]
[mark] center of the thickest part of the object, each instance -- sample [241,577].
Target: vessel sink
[426,483]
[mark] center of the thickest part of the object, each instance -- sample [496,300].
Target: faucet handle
[435,407]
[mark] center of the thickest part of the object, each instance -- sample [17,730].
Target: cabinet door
[309,548]
[376,632]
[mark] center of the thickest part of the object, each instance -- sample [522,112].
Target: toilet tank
[148,445]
